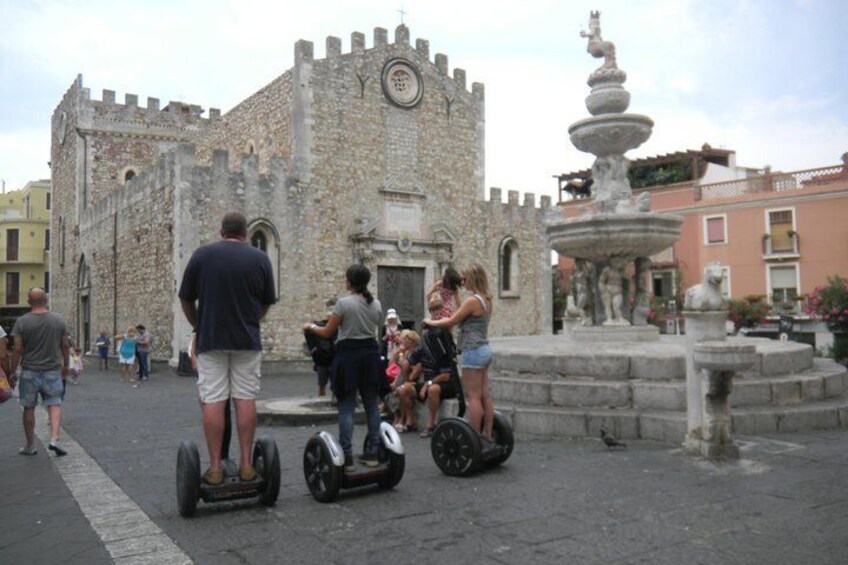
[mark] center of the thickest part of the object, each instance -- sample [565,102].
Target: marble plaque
[403,217]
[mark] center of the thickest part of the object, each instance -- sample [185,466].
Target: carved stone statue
[611,185]
[611,288]
[582,284]
[707,296]
[641,301]
[597,47]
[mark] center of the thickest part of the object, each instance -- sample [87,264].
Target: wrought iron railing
[22,254]
[782,244]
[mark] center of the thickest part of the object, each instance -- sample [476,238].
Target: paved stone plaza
[562,501]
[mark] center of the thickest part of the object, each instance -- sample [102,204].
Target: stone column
[700,326]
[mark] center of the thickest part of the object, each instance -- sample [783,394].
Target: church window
[509,268]
[128,174]
[264,236]
[259,241]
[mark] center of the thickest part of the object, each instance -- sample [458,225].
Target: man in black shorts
[227,288]
[432,384]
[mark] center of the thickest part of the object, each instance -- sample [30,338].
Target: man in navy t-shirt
[226,290]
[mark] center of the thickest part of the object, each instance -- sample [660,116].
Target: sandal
[426,433]
[213,477]
[401,428]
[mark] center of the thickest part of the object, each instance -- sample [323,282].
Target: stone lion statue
[707,296]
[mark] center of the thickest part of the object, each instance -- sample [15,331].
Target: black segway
[457,448]
[190,485]
[323,465]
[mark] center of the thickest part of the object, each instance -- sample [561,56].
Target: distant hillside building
[24,247]
[375,155]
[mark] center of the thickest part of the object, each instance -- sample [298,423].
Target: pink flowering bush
[829,303]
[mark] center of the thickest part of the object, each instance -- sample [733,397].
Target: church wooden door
[402,288]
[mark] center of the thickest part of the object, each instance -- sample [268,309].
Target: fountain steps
[559,388]
[668,426]
[824,380]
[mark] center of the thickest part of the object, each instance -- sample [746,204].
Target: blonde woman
[473,320]
[126,354]
[404,420]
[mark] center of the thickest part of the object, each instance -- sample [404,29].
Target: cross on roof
[402,13]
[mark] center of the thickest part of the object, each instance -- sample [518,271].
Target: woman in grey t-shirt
[356,365]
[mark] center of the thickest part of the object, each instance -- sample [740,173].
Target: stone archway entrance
[402,288]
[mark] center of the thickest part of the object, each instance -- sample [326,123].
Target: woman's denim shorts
[477,358]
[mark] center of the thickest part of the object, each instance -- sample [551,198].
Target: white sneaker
[28,450]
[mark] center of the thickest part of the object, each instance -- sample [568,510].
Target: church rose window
[402,83]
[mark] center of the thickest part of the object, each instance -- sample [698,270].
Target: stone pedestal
[715,363]
[700,326]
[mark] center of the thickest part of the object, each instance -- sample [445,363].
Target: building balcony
[780,247]
[24,255]
[773,182]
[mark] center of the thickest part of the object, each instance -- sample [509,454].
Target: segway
[191,487]
[323,465]
[457,448]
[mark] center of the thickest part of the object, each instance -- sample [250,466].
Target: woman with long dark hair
[357,365]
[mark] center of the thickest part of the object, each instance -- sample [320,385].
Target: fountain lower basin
[600,237]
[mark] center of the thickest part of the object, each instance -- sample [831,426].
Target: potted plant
[829,304]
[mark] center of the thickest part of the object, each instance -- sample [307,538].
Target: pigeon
[610,440]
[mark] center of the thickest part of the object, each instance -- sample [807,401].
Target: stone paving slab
[554,501]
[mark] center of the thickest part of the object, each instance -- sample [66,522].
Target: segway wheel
[397,465]
[266,461]
[503,436]
[455,447]
[188,478]
[323,477]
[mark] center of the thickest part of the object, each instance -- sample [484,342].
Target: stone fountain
[614,230]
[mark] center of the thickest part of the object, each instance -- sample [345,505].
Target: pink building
[776,234]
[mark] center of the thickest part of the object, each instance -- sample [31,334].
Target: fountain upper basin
[610,134]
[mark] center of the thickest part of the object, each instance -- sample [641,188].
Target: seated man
[435,386]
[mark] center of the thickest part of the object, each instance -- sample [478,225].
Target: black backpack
[322,349]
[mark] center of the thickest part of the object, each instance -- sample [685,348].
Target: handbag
[392,371]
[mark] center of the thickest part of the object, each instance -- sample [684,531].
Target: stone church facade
[373,156]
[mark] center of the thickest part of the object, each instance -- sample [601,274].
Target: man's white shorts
[226,373]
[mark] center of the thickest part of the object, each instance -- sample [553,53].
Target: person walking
[357,365]
[473,319]
[41,347]
[142,350]
[227,288]
[126,354]
[102,345]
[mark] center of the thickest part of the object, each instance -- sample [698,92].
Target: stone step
[552,357]
[826,379]
[670,426]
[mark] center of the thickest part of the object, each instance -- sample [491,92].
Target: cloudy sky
[768,78]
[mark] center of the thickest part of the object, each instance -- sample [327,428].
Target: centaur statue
[597,46]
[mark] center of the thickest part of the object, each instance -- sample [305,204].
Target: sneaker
[247,473]
[213,477]
[369,460]
[28,450]
[349,467]
[56,448]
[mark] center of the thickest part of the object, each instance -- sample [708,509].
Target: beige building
[374,155]
[24,247]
